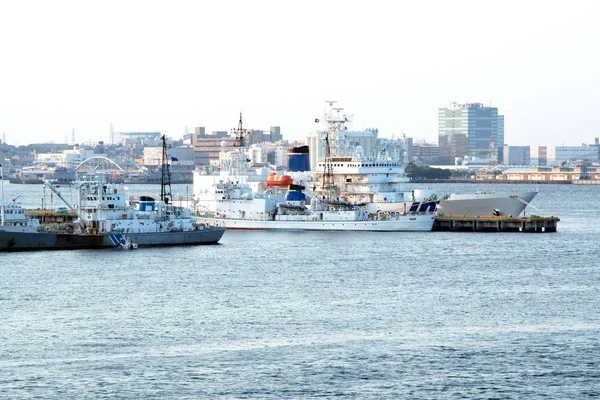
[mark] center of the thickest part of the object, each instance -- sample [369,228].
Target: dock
[458,223]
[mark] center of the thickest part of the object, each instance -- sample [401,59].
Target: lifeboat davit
[279,180]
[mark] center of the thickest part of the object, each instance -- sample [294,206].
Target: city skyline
[143,67]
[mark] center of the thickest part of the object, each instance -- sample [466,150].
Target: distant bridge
[105,164]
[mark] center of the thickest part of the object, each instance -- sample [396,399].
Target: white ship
[236,198]
[237,206]
[12,215]
[14,219]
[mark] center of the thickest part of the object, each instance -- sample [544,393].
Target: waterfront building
[426,153]
[539,156]
[140,138]
[256,136]
[563,155]
[70,158]
[208,146]
[32,174]
[470,129]
[268,154]
[517,155]
[280,156]
[396,148]
[549,174]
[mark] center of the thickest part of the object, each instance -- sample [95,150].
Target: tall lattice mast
[239,134]
[165,179]
[334,141]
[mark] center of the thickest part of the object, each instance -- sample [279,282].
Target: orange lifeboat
[279,180]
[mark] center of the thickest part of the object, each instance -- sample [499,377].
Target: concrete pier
[457,223]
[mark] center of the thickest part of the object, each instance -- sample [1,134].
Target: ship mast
[334,140]
[328,185]
[239,134]
[165,179]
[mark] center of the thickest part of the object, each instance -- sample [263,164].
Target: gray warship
[105,219]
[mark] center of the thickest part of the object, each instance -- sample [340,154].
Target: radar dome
[223,143]
[359,150]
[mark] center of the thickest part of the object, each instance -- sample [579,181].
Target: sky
[164,66]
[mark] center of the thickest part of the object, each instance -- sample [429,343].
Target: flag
[174,158]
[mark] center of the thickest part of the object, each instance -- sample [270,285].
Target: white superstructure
[237,198]
[12,215]
[236,205]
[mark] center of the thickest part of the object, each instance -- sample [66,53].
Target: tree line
[426,172]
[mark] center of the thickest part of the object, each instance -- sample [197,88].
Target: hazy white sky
[150,65]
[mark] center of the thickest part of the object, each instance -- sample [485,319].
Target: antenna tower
[165,179]
[112,134]
[239,134]
[334,140]
[73,136]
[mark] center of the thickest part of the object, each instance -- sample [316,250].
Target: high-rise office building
[470,129]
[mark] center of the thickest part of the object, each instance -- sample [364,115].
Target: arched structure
[99,164]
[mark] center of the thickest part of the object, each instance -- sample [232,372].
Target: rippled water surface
[308,314]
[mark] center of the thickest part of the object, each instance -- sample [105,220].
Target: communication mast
[239,134]
[165,180]
[73,136]
[334,141]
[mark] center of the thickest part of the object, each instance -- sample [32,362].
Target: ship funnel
[298,160]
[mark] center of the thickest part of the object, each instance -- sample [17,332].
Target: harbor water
[313,314]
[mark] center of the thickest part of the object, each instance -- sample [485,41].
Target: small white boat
[127,244]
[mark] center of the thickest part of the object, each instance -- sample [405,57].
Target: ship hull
[26,241]
[485,204]
[472,205]
[408,223]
